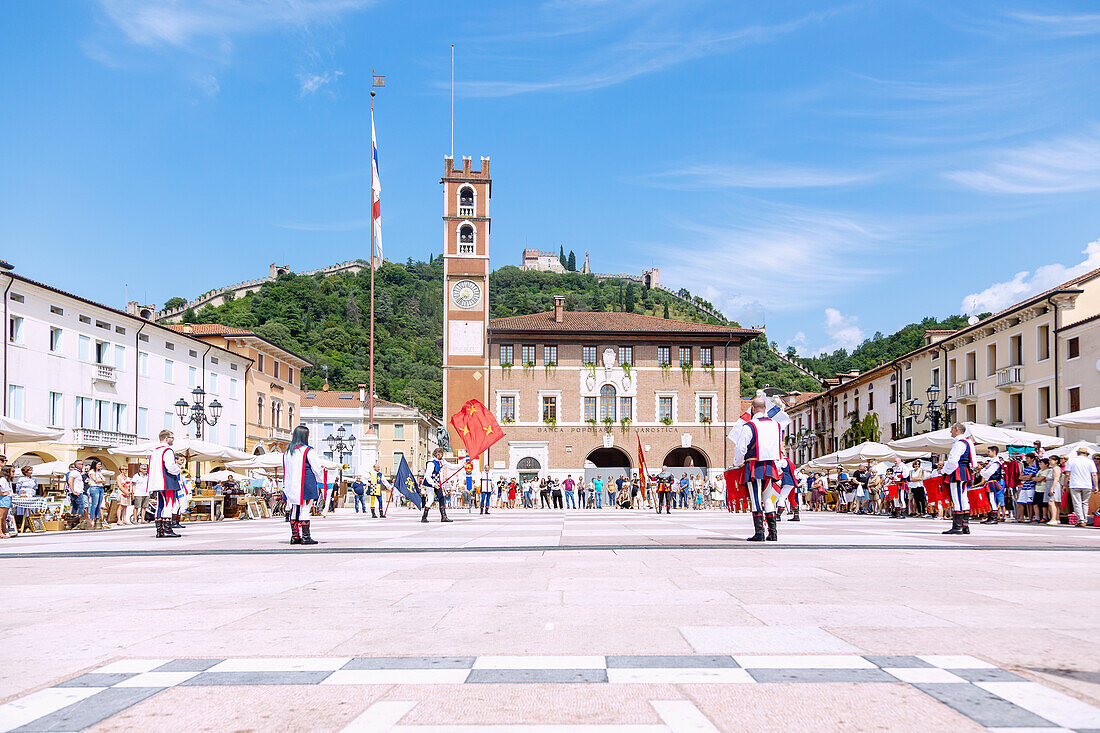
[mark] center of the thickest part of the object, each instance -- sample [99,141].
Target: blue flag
[405,482]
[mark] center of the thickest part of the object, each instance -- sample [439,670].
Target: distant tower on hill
[534,259]
[586,269]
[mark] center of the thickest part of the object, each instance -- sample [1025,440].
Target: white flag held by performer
[376,196]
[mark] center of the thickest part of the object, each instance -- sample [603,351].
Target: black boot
[295,533]
[176,522]
[424,516]
[168,531]
[990,518]
[966,523]
[443,514]
[794,516]
[373,514]
[306,539]
[779,513]
[956,524]
[773,536]
[758,525]
[160,528]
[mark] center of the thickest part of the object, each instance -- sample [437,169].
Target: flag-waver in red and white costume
[758,450]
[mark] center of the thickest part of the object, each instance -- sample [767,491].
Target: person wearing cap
[1082,482]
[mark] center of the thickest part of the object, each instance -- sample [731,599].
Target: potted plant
[624,423]
[551,421]
[627,366]
[608,422]
[528,367]
[666,420]
[506,367]
[685,371]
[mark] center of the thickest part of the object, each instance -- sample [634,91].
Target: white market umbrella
[53,468]
[21,431]
[1071,449]
[191,448]
[859,454]
[1087,418]
[223,475]
[941,440]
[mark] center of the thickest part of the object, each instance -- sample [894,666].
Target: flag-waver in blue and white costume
[303,479]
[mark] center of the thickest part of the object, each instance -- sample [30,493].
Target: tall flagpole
[452,101]
[376,81]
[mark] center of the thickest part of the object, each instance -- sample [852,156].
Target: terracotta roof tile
[603,322]
[338,398]
[209,329]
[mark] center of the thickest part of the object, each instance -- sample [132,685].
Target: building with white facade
[104,376]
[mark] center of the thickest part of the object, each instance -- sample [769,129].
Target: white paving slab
[537,662]
[22,711]
[1046,703]
[397,677]
[804,661]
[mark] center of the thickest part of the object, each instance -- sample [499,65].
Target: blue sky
[831,169]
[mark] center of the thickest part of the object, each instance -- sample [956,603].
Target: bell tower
[466,196]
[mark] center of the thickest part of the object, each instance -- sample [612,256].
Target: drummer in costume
[897,481]
[432,485]
[757,450]
[992,478]
[164,483]
[303,484]
[959,470]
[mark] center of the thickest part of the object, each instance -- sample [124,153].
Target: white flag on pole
[376,196]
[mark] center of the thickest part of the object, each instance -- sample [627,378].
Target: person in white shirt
[164,482]
[74,483]
[959,468]
[898,481]
[141,493]
[757,448]
[1082,482]
[991,478]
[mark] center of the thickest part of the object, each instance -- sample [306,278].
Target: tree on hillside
[173,303]
[571,265]
[561,257]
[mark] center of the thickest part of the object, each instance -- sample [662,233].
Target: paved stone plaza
[545,620]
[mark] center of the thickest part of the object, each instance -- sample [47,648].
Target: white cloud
[208,84]
[1059,26]
[1024,285]
[777,176]
[842,330]
[1062,165]
[310,83]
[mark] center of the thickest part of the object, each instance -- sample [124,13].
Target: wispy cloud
[776,257]
[706,176]
[1062,165]
[208,83]
[1059,26]
[310,83]
[1023,285]
[335,226]
[649,48]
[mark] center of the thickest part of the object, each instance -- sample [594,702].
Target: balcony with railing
[1011,379]
[465,210]
[105,373]
[278,434]
[93,438]
[966,391]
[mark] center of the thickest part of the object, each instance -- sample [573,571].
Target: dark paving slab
[188,665]
[897,661]
[519,676]
[821,675]
[983,707]
[693,661]
[212,679]
[987,675]
[92,710]
[96,679]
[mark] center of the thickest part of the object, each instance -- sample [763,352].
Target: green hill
[326,318]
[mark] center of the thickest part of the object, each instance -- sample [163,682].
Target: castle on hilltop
[222,295]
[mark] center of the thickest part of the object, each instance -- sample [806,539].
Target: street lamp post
[935,412]
[196,414]
[340,444]
[802,442]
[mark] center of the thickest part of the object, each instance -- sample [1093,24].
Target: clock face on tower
[466,293]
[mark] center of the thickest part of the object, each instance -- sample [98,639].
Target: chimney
[188,328]
[362,393]
[559,308]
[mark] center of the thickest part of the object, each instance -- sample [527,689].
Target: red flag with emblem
[936,490]
[642,475]
[477,428]
[979,501]
[736,488]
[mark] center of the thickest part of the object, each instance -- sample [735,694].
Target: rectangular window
[991,360]
[1016,350]
[170,346]
[212,433]
[397,456]
[85,412]
[143,338]
[213,383]
[143,364]
[260,362]
[1073,348]
[550,355]
[870,399]
[706,409]
[119,418]
[588,354]
[330,427]
[232,367]
[84,348]
[57,409]
[908,426]
[528,355]
[664,409]
[275,368]
[626,355]
[936,377]
[508,408]
[15,401]
[232,435]
[143,422]
[706,356]
[972,413]
[1074,399]
[168,421]
[685,356]
[507,354]
[589,409]
[85,319]
[17,298]
[192,376]
[908,389]
[1044,404]
[1042,343]
[991,411]
[55,339]
[398,431]
[232,389]
[1016,408]
[290,374]
[103,353]
[103,415]
[193,354]
[972,365]
[120,357]
[626,408]
[15,330]
[169,370]
[549,409]
[57,311]
[664,356]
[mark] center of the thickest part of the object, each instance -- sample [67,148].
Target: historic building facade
[578,391]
